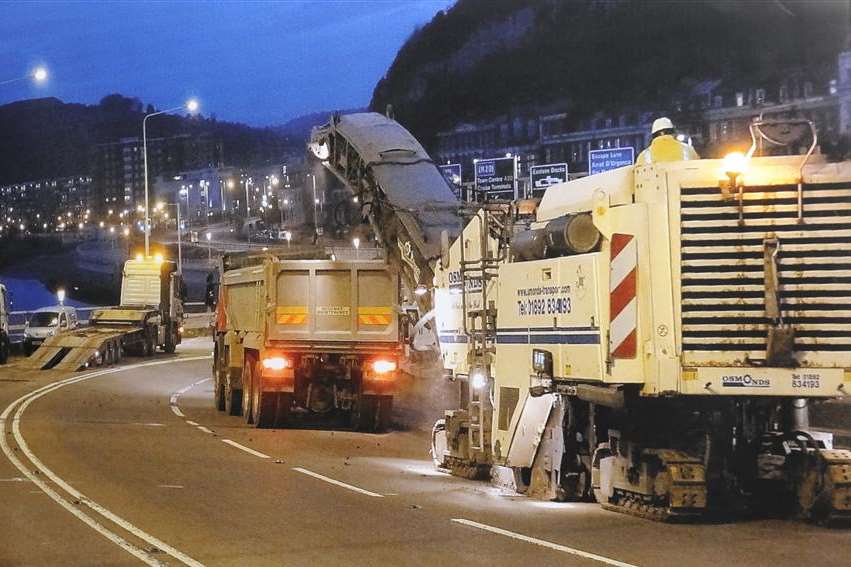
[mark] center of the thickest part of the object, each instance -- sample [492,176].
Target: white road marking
[338,483]
[15,479]
[170,486]
[176,411]
[192,423]
[246,449]
[81,500]
[204,429]
[543,543]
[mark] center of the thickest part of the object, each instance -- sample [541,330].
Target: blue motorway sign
[496,178]
[604,160]
[542,176]
[452,174]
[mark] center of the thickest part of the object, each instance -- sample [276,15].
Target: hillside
[43,138]
[482,58]
[298,128]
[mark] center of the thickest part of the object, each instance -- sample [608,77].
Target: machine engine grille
[723,280]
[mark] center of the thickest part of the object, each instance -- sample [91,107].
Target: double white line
[72,499]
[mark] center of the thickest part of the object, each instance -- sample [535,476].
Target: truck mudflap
[78,349]
[824,488]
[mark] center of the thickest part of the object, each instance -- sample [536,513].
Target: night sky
[255,62]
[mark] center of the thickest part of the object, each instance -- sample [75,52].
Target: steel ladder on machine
[481,328]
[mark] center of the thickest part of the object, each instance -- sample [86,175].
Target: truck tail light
[382,366]
[276,363]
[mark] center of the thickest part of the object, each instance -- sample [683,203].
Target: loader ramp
[407,200]
[77,349]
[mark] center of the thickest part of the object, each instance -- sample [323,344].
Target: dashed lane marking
[338,483]
[543,543]
[246,449]
[80,502]
[192,423]
[204,429]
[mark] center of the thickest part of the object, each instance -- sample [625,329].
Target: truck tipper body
[150,315]
[315,336]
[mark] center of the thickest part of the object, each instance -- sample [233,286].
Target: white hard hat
[663,123]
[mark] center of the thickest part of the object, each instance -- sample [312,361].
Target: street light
[192,106]
[179,242]
[38,75]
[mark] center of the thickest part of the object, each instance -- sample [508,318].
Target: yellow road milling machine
[653,336]
[150,315]
[650,337]
[313,336]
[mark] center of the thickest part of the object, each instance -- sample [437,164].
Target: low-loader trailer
[150,315]
[307,336]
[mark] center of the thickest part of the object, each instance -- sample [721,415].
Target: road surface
[133,466]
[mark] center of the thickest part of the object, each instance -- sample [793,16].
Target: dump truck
[309,336]
[150,315]
[653,336]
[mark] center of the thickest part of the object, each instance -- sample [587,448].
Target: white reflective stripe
[624,323]
[623,264]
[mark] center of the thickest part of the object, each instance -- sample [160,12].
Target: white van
[46,322]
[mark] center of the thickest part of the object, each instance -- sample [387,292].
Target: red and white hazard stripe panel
[623,304]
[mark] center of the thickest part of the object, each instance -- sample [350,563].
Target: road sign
[452,174]
[604,160]
[497,178]
[542,176]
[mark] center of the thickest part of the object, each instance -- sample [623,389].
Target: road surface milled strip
[543,543]
[79,499]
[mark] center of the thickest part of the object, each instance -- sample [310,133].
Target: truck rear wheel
[219,394]
[248,367]
[233,399]
[171,340]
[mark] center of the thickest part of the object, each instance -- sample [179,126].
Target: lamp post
[247,202]
[191,106]
[38,75]
[209,247]
[176,205]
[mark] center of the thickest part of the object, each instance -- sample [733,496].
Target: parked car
[46,322]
